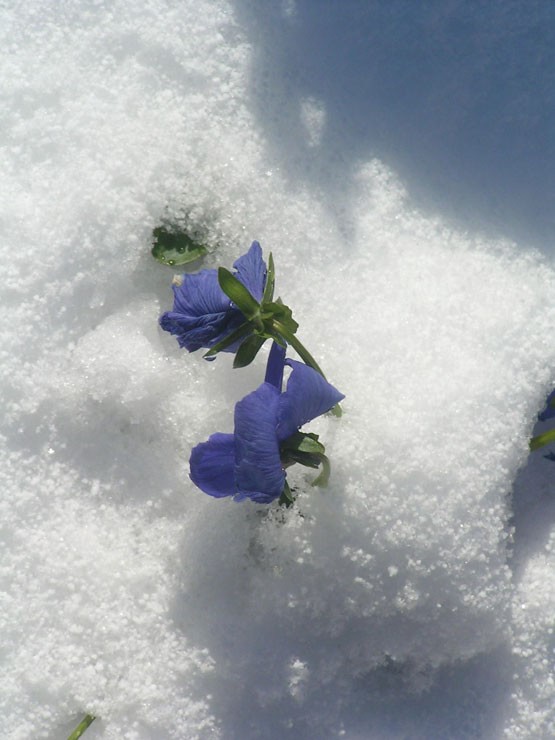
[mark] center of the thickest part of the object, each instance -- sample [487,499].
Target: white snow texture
[394,603]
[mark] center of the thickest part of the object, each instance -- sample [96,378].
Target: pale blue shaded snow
[458,97]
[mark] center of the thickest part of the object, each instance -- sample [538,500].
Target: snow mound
[129,594]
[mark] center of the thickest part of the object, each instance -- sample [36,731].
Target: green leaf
[248,350]
[302,442]
[81,727]
[286,499]
[281,313]
[270,281]
[309,460]
[236,291]
[542,439]
[175,247]
[239,333]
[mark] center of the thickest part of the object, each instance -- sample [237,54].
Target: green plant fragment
[302,442]
[172,247]
[248,350]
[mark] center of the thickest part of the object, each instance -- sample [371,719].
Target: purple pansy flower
[202,313]
[248,464]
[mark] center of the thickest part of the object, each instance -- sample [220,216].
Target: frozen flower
[251,462]
[202,313]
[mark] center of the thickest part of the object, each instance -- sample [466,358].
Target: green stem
[81,727]
[323,478]
[304,354]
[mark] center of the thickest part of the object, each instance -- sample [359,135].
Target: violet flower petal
[308,395]
[251,271]
[258,471]
[212,465]
[275,365]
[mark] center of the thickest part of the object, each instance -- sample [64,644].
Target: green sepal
[278,339]
[278,311]
[175,248]
[270,281]
[239,333]
[248,350]
[81,727]
[286,499]
[542,439]
[309,460]
[302,442]
[236,292]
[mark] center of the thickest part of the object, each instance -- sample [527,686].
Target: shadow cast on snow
[257,690]
[457,98]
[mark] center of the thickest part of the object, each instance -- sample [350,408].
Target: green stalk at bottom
[81,727]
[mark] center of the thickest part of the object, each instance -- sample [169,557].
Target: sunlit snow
[415,596]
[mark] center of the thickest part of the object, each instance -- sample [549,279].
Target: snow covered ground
[398,165]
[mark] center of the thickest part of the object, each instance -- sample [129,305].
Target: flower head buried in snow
[251,462]
[203,315]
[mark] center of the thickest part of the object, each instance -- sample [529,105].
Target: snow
[412,598]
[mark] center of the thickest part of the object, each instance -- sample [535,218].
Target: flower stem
[323,478]
[307,358]
[304,354]
[81,727]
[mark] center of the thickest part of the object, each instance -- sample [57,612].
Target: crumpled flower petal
[200,294]
[212,465]
[308,395]
[258,471]
[202,314]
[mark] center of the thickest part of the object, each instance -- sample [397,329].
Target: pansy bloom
[203,315]
[251,462]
